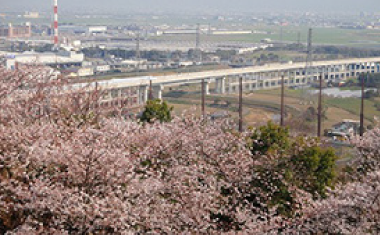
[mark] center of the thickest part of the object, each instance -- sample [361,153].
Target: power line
[198,51]
[203,98]
[299,40]
[309,58]
[138,54]
[320,106]
[198,37]
[240,104]
[362,103]
[282,99]
[308,66]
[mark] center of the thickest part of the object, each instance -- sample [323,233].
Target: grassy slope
[353,106]
[338,108]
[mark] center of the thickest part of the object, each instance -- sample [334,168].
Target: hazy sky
[197,5]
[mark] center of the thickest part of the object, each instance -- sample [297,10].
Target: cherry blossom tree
[67,168]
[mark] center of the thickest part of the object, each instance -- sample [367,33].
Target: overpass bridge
[133,92]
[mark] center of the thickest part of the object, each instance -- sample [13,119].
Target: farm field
[262,106]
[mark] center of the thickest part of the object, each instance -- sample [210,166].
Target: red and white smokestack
[56,23]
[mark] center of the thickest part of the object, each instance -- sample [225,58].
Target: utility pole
[203,98]
[299,40]
[240,104]
[362,106]
[198,37]
[309,58]
[97,96]
[309,63]
[138,55]
[320,106]
[282,100]
[198,42]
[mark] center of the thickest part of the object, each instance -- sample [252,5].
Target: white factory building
[77,29]
[59,59]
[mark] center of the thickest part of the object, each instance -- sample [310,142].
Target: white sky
[197,5]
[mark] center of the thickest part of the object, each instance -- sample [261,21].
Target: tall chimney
[29,29]
[56,23]
[10,30]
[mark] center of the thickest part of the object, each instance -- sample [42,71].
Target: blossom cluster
[66,168]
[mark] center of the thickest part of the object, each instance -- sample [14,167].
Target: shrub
[291,162]
[156,110]
[269,139]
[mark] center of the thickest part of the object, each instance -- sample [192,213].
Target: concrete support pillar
[119,97]
[221,85]
[349,69]
[344,70]
[207,87]
[264,76]
[358,69]
[232,81]
[157,92]
[217,85]
[230,91]
[143,95]
[253,79]
[296,75]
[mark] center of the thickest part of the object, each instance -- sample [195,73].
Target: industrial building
[78,29]
[230,32]
[32,15]
[18,31]
[79,72]
[99,69]
[59,59]
[178,31]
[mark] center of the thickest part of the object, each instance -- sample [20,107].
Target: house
[79,72]
[344,130]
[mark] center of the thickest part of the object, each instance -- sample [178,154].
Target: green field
[322,36]
[337,106]
[353,106]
